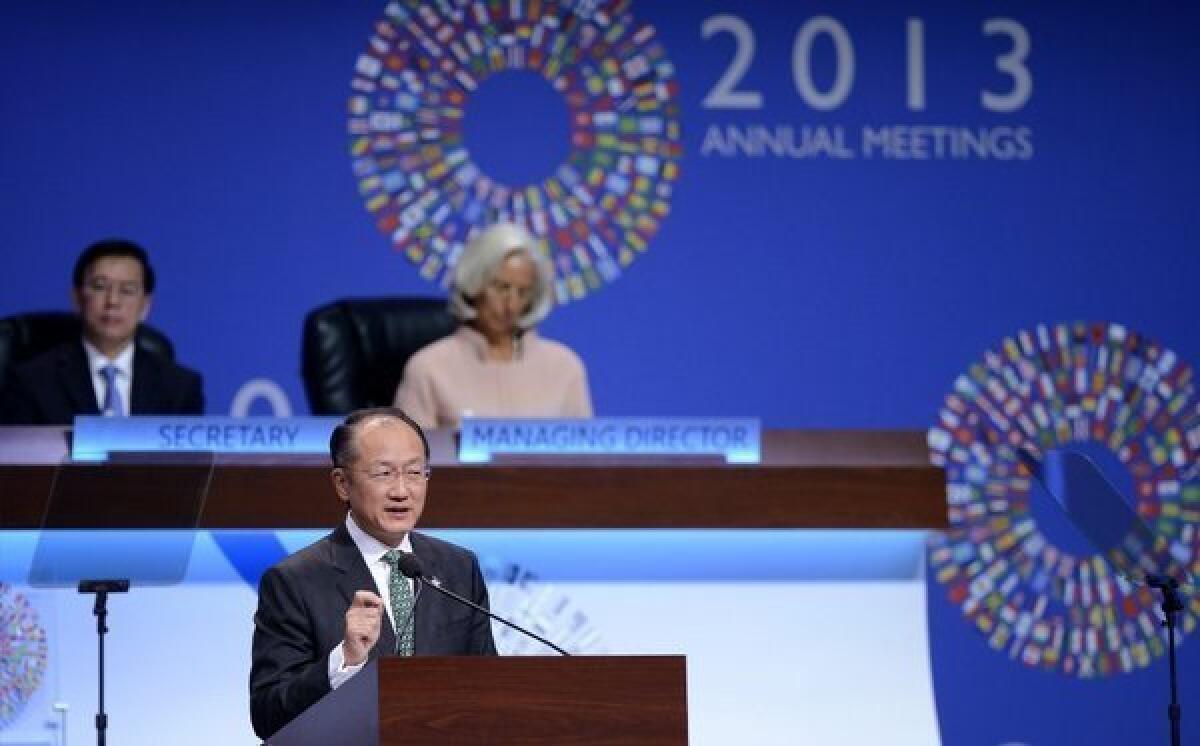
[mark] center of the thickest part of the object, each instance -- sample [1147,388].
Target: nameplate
[735,439]
[96,437]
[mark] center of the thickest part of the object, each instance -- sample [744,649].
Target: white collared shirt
[124,365]
[372,551]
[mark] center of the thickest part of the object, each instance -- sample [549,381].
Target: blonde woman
[495,364]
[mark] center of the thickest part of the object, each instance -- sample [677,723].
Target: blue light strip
[552,555]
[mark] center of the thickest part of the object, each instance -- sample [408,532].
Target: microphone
[1161,580]
[410,565]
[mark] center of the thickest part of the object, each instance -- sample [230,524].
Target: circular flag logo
[1038,592]
[22,653]
[430,184]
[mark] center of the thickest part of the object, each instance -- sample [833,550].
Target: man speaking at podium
[329,608]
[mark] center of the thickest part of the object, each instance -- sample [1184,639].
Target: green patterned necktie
[402,604]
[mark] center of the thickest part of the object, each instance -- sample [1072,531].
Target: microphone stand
[437,586]
[1172,604]
[1108,508]
[102,588]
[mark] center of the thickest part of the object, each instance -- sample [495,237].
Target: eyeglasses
[505,290]
[125,290]
[414,475]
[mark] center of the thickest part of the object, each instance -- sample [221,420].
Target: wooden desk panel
[807,480]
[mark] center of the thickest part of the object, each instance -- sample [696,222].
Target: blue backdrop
[813,291]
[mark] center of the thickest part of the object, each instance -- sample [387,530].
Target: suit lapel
[355,576]
[147,384]
[76,379]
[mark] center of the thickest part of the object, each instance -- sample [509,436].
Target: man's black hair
[114,247]
[341,443]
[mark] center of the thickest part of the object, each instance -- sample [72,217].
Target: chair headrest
[354,350]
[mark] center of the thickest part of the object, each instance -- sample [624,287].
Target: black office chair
[27,335]
[354,350]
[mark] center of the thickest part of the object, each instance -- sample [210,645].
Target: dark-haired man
[104,371]
[328,609]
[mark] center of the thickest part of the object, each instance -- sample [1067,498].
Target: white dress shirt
[124,365]
[372,551]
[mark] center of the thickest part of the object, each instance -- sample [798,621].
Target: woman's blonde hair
[477,265]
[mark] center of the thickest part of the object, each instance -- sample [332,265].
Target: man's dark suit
[302,604]
[55,386]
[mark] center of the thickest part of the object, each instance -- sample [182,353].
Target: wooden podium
[628,700]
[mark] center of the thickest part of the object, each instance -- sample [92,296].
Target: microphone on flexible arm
[410,565]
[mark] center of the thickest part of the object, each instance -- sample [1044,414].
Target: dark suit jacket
[55,386]
[302,604]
